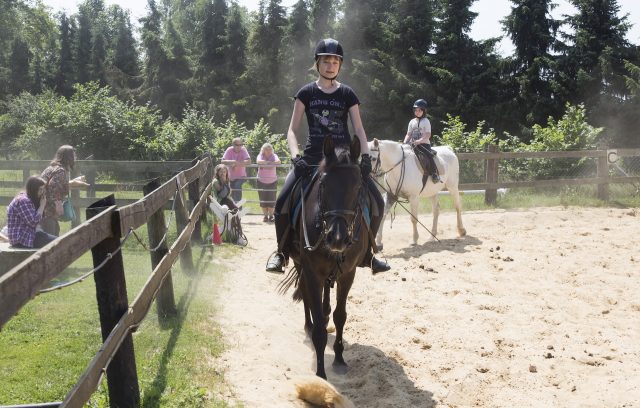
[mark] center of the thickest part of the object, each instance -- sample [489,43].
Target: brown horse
[330,240]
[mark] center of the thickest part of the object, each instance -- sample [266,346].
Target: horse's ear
[328,148]
[375,143]
[354,149]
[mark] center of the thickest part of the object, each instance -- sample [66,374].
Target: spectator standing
[59,183]
[236,157]
[25,212]
[267,180]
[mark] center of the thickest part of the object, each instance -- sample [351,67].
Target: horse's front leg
[326,302]
[319,331]
[339,319]
[414,201]
[435,209]
[388,203]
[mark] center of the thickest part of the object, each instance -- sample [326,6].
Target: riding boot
[279,259]
[374,263]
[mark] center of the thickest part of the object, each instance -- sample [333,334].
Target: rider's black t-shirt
[326,114]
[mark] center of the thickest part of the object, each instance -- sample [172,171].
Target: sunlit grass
[49,343]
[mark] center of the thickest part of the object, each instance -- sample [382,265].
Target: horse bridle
[323,215]
[376,171]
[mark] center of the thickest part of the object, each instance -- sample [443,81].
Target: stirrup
[436,178]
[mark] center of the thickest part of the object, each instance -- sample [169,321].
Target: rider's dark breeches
[281,221]
[423,151]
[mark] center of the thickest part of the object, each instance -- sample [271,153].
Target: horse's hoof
[414,244]
[380,246]
[340,367]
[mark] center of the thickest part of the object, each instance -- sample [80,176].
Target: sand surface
[533,308]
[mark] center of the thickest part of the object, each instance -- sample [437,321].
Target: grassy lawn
[48,345]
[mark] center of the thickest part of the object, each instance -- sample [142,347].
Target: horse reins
[340,213]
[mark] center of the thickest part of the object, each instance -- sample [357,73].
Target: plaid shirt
[22,219]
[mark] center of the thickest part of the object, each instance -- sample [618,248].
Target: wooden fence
[603,179]
[106,225]
[491,183]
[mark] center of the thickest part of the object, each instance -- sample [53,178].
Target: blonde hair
[266,146]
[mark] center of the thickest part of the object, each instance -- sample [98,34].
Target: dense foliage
[199,70]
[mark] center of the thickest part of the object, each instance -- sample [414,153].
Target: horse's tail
[319,392]
[292,279]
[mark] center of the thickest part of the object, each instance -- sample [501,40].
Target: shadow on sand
[455,245]
[374,379]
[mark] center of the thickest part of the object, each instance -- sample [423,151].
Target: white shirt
[417,129]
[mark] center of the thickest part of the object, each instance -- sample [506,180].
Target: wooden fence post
[182,219]
[156,228]
[25,175]
[194,197]
[491,193]
[111,293]
[603,172]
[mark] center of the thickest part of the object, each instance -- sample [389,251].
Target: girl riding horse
[327,104]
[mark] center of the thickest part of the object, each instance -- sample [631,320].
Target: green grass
[581,196]
[48,345]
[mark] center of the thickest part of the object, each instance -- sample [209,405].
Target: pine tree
[237,43]
[98,57]
[298,54]
[533,32]
[595,65]
[65,74]
[83,46]
[125,53]
[19,65]
[155,55]
[466,71]
[323,13]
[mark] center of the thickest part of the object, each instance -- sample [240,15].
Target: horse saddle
[303,187]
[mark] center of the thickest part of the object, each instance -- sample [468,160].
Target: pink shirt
[237,171]
[267,174]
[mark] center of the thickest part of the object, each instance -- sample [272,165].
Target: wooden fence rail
[101,233]
[490,184]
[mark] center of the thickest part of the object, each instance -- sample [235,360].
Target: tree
[594,64]
[466,71]
[65,73]
[20,65]
[298,35]
[533,31]
[323,13]
[83,46]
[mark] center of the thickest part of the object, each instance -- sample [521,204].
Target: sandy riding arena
[534,308]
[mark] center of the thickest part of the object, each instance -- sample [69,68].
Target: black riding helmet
[420,103]
[328,46]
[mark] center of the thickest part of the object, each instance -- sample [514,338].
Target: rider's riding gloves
[300,167]
[365,165]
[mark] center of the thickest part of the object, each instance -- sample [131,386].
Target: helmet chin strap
[329,79]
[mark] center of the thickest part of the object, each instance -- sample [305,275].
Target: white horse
[403,179]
